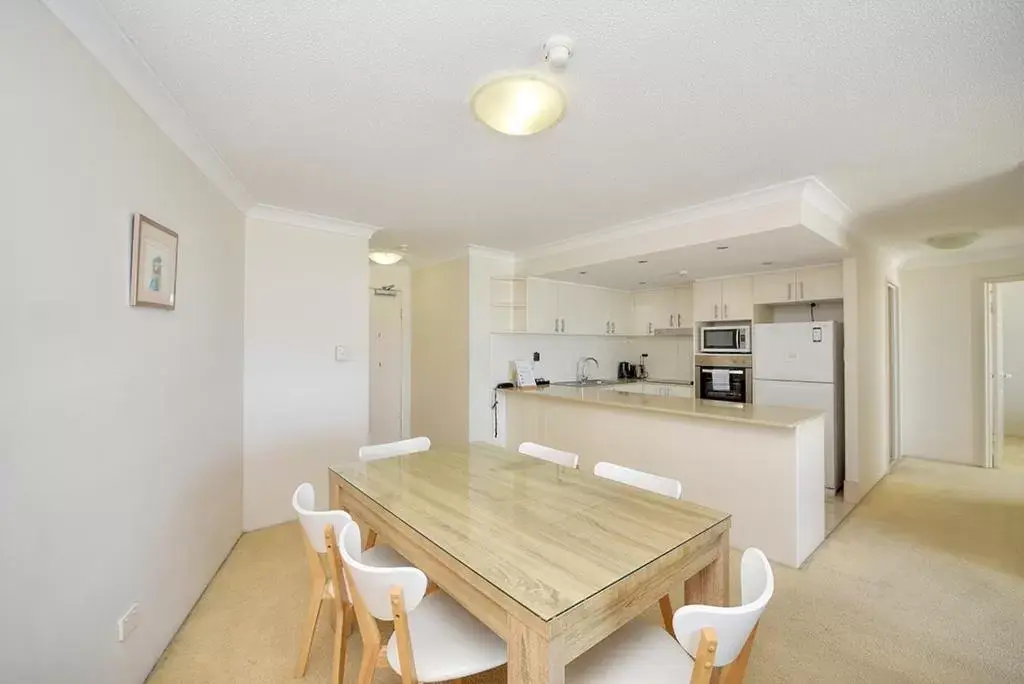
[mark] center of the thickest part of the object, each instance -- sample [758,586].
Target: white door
[707,300]
[542,306]
[808,395]
[794,351]
[772,288]
[385,368]
[738,299]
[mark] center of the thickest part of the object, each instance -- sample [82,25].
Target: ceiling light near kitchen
[952,240]
[519,104]
[385,258]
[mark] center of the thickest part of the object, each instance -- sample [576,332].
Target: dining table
[550,558]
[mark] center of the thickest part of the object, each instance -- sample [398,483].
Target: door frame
[993,365]
[894,388]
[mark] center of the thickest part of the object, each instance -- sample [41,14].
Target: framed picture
[154,264]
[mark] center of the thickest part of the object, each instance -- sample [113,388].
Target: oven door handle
[731,371]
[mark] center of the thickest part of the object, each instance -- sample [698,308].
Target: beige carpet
[1013,452]
[923,582]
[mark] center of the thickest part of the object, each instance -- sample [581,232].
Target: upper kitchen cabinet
[542,310]
[814,283]
[583,309]
[620,312]
[682,302]
[820,282]
[651,310]
[724,299]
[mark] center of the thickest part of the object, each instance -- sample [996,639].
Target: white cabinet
[820,282]
[542,306]
[738,298]
[582,309]
[682,303]
[772,288]
[801,285]
[620,312]
[660,309]
[725,299]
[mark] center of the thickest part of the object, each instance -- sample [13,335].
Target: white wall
[400,276]
[1011,300]
[484,264]
[121,467]
[944,359]
[798,313]
[440,352]
[305,293]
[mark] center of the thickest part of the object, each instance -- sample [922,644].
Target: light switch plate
[128,622]
[340,353]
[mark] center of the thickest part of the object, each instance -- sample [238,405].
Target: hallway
[923,582]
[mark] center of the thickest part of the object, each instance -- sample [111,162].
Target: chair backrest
[376,452]
[374,584]
[665,486]
[732,625]
[562,458]
[313,522]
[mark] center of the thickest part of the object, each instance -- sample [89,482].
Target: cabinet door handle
[671,320]
[801,289]
[650,328]
[613,327]
[725,311]
[789,292]
[607,327]
[716,312]
[679,320]
[556,325]
[563,325]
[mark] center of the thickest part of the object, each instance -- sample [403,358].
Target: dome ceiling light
[388,257]
[526,102]
[952,240]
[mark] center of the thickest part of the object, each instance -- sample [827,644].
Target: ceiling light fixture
[583,273]
[642,261]
[385,258]
[952,240]
[721,247]
[526,102]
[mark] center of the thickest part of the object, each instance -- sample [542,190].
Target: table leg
[334,494]
[710,586]
[532,658]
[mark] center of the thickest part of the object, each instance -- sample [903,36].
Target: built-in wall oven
[725,377]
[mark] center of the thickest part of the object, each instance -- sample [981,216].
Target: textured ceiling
[359,110]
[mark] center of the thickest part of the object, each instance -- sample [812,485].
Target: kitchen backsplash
[669,357]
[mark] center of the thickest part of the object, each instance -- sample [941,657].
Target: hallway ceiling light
[385,258]
[952,240]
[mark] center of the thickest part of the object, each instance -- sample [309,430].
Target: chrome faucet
[581,368]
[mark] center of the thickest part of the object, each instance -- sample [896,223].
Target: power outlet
[128,622]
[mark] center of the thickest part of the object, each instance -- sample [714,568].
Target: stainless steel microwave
[725,339]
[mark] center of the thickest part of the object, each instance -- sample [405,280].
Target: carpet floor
[923,582]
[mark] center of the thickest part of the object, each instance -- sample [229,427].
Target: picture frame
[154,272]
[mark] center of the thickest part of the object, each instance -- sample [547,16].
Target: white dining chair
[375,452]
[321,588]
[435,639]
[657,484]
[562,458]
[665,486]
[707,637]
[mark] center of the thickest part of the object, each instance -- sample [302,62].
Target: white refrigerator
[801,365]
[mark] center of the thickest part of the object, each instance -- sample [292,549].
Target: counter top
[750,414]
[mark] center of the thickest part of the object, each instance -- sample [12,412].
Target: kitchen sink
[588,383]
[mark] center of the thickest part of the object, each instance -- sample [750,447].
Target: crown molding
[90,22]
[824,200]
[790,191]
[490,253]
[303,219]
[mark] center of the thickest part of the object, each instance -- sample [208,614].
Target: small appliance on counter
[724,377]
[627,370]
[641,370]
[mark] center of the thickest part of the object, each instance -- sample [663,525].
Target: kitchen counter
[750,414]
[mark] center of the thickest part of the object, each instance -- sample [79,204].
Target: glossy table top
[752,414]
[549,537]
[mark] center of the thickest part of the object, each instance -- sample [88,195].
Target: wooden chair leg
[306,644]
[734,672]
[341,634]
[704,658]
[371,653]
[665,603]
[333,614]
[371,539]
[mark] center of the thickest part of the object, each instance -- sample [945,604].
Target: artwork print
[154,264]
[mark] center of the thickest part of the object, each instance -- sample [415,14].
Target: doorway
[1004,373]
[892,355]
[386,367]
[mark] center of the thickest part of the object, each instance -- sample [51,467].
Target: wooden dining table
[551,559]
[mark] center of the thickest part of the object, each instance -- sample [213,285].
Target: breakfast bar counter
[763,464]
